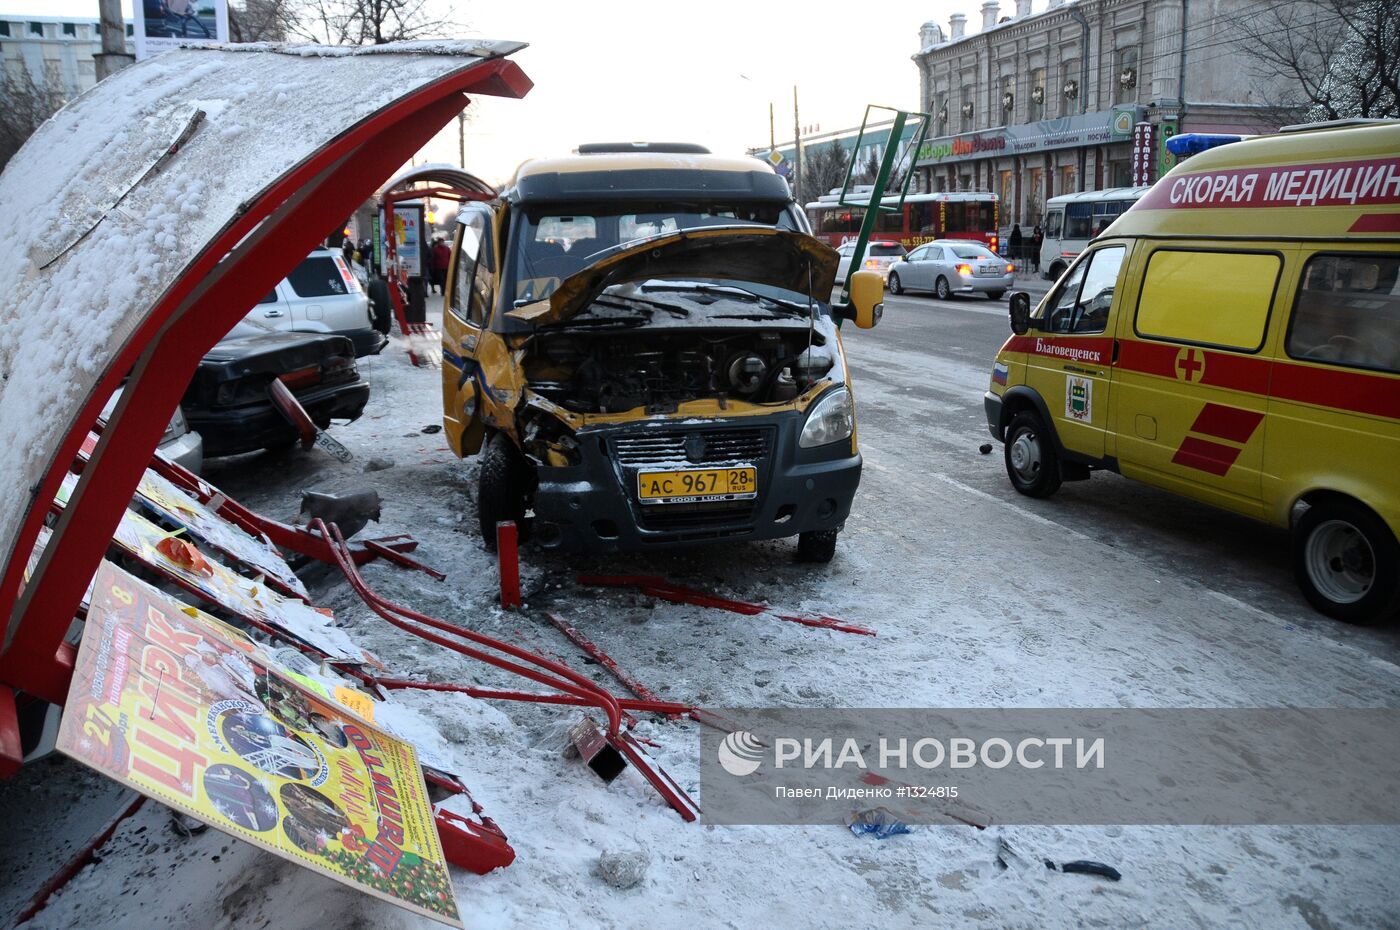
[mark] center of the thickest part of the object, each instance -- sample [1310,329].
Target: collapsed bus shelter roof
[144,219]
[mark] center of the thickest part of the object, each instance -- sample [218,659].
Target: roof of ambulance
[1248,171]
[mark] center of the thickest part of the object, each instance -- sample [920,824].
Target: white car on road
[879,256]
[953,266]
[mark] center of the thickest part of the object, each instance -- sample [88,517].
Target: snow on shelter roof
[143,209]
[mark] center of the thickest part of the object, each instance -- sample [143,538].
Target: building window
[1007,101]
[36,29]
[1035,195]
[4,30]
[940,112]
[967,110]
[1035,109]
[1126,79]
[130,30]
[70,29]
[1067,180]
[1069,71]
[1006,191]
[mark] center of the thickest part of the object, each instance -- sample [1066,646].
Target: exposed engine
[659,370]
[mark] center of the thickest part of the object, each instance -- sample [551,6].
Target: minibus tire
[942,289]
[896,286]
[501,488]
[817,546]
[1032,461]
[1326,526]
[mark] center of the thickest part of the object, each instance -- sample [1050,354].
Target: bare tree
[868,172]
[824,168]
[27,106]
[261,20]
[369,22]
[1326,59]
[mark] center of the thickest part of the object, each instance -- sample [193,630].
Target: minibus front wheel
[1347,561]
[1032,462]
[503,488]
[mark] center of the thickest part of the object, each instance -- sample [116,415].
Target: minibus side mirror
[867,299]
[1020,313]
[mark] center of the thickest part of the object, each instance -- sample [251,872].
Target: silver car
[953,266]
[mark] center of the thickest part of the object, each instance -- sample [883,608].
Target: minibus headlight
[831,419]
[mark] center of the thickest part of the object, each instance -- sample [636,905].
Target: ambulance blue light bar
[1194,143]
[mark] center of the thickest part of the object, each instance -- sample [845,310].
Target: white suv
[879,256]
[321,295]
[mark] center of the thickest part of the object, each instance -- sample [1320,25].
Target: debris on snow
[623,869]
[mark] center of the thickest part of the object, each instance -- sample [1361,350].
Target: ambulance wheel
[1347,561]
[502,487]
[942,289]
[1032,463]
[817,546]
[896,286]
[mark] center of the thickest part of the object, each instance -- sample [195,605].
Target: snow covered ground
[1110,595]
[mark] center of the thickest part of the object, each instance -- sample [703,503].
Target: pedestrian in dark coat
[1015,242]
[441,258]
[1037,238]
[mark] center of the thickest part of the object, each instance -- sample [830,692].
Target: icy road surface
[1109,595]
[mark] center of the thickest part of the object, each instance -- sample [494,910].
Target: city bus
[1071,220]
[968,215]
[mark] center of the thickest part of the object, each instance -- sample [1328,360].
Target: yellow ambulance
[1235,338]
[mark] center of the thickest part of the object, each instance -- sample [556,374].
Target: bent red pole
[554,675]
[638,704]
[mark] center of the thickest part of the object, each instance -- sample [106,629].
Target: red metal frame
[397,278]
[601,657]
[508,563]
[284,535]
[545,671]
[678,594]
[230,275]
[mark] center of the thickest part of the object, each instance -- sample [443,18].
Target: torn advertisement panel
[169,704]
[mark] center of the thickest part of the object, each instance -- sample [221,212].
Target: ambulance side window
[1209,298]
[1348,312]
[1083,302]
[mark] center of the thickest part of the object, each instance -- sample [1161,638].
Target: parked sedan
[228,402]
[322,295]
[953,266]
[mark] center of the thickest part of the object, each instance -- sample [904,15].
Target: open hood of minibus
[781,258]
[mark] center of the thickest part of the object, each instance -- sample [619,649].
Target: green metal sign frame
[877,195]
